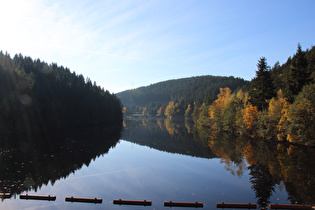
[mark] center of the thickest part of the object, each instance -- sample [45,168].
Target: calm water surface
[149,170]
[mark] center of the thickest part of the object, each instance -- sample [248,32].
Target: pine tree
[262,88]
[298,75]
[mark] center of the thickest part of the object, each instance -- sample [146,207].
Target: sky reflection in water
[131,171]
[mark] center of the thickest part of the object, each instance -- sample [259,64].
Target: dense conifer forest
[36,96]
[182,91]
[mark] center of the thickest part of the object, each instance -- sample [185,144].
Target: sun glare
[12,18]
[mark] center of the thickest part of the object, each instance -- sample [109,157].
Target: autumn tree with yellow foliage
[217,107]
[170,109]
[250,117]
[269,121]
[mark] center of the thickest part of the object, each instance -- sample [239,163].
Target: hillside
[36,96]
[184,91]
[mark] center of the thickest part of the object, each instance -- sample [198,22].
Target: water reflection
[269,167]
[270,164]
[39,158]
[168,136]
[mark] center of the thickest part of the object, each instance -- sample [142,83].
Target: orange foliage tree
[250,117]
[170,109]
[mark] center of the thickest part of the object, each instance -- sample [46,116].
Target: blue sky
[124,44]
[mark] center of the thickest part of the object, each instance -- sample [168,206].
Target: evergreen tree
[262,88]
[298,75]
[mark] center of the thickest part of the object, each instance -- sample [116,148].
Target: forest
[150,100]
[278,103]
[40,97]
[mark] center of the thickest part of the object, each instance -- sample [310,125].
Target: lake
[153,160]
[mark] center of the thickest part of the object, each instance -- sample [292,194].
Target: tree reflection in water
[271,164]
[166,136]
[29,163]
[262,184]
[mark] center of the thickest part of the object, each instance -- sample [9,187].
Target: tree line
[36,96]
[278,103]
[151,100]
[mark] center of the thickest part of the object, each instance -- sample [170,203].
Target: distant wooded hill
[184,91]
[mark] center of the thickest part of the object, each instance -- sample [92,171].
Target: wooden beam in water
[38,197]
[84,200]
[237,205]
[290,206]
[132,202]
[183,204]
[5,195]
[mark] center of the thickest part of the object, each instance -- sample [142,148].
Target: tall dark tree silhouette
[262,88]
[298,74]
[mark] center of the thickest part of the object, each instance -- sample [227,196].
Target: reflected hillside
[28,163]
[167,136]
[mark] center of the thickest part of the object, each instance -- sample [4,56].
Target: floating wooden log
[84,200]
[289,206]
[132,202]
[5,195]
[38,197]
[183,204]
[237,205]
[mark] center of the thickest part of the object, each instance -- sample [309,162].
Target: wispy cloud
[112,55]
[167,38]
